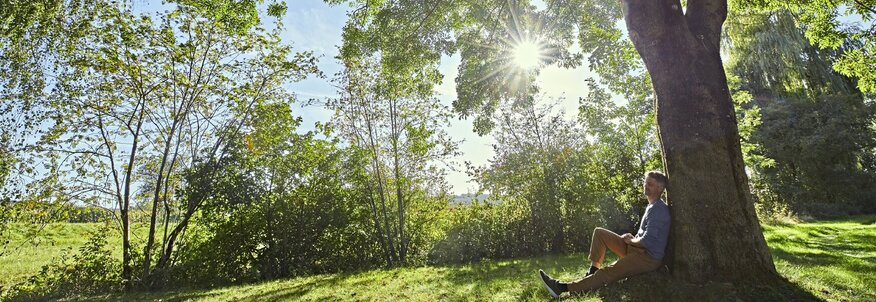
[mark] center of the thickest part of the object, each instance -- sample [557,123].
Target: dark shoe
[552,286]
[592,271]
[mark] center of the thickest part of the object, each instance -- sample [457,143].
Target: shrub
[505,229]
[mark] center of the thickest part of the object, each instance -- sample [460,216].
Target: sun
[528,54]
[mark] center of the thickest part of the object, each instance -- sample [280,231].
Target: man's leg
[603,239]
[637,261]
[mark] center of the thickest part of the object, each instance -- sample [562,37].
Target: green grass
[829,260]
[32,246]
[835,260]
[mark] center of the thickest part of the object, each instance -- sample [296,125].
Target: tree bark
[153,218]
[715,234]
[399,197]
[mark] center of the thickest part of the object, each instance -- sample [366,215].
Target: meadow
[823,260]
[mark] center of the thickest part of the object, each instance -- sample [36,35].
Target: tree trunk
[715,234]
[379,228]
[127,271]
[399,197]
[153,217]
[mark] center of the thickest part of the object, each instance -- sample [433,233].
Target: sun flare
[527,54]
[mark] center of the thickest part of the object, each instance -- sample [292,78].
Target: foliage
[534,169]
[552,182]
[278,204]
[91,271]
[817,145]
[485,33]
[806,129]
[139,100]
[845,25]
[542,166]
[185,116]
[32,35]
[396,124]
[625,140]
[507,227]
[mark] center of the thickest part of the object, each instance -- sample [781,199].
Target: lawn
[829,260]
[835,260]
[32,246]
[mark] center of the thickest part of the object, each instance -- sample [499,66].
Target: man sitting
[638,254]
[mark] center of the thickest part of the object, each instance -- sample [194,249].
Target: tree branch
[705,18]
[651,18]
[416,31]
[865,6]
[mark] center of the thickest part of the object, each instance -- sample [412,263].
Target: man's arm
[657,227]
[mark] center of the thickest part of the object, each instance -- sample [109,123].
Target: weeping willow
[806,129]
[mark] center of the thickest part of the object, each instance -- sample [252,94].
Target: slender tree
[169,95]
[396,122]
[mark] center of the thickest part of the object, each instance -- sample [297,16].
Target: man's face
[652,187]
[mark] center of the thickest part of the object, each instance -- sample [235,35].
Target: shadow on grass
[489,277]
[830,261]
[654,286]
[657,286]
[516,279]
[502,280]
[287,293]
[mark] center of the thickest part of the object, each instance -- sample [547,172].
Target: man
[638,254]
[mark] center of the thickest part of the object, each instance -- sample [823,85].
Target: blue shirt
[654,229]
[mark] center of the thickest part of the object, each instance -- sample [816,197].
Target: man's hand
[630,239]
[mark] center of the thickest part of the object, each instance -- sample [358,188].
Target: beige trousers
[633,261]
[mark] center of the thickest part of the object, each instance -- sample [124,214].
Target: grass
[32,246]
[835,260]
[826,260]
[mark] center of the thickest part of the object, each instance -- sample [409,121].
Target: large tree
[715,231]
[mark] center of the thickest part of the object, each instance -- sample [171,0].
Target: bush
[478,231]
[505,229]
[280,236]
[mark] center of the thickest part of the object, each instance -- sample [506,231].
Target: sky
[312,25]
